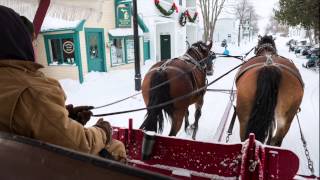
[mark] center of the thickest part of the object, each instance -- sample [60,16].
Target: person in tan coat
[33,105]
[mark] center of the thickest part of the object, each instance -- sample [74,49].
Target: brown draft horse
[269,93]
[185,74]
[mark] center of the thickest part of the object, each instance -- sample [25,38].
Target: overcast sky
[264,10]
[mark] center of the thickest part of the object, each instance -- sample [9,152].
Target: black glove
[106,127]
[80,114]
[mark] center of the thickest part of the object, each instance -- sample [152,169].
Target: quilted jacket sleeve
[40,113]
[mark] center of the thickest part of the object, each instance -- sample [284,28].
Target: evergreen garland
[191,19]
[166,12]
[183,19]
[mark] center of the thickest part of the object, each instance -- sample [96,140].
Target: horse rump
[262,120]
[159,93]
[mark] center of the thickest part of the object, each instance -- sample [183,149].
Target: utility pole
[137,77]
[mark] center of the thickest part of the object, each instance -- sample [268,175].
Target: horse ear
[259,37]
[209,44]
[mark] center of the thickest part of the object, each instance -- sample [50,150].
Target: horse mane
[267,39]
[195,49]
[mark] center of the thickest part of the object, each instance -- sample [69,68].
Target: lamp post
[137,77]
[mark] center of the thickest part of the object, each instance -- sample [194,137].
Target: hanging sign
[68,47]
[123,15]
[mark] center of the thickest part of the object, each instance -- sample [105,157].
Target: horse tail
[154,117]
[262,120]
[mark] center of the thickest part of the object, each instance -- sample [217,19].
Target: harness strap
[240,73]
[233,119]
[187,58]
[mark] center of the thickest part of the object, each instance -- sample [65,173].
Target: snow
[51,23]
[102,88]
[119,32]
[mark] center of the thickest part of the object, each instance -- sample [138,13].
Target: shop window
[117,52]
[130,50]
[61,51]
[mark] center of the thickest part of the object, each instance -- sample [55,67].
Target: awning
[51,24]
[142,25]
[122,32]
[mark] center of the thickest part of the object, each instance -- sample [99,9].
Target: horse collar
[191,60]
[269,60]
[269,45]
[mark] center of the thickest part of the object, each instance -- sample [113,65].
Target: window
[61,51]
[130,50]
[117,52]
[180,2]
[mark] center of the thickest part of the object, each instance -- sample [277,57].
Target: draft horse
[173,78]
[269,93]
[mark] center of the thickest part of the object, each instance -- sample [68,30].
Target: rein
[211,55]
[173,100]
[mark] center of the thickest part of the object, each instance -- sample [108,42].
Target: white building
[226,28]
[167,36]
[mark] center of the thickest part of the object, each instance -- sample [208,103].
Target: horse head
[266,44]
[202,53]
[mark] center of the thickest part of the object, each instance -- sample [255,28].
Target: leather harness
[247,66]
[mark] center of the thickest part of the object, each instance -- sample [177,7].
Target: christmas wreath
[166,12]
[191,19]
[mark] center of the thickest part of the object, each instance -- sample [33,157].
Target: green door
[165,46]
[95,51]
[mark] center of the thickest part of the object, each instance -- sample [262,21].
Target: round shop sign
[68,47]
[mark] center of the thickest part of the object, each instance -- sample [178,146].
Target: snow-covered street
[102,88]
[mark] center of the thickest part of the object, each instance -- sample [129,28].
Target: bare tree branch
[210,10]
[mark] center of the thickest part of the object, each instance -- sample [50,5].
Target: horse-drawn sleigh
[173,157]
[150,156]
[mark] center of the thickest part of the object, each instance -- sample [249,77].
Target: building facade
[73,42]
[71,49]
[168,35]
[226,28]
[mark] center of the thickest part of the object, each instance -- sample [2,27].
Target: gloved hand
[80,114]
[118,151]
[105,125]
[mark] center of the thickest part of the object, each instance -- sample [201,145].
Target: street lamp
[137,77]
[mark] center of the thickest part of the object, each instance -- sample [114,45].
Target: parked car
[313,52]
[292,44]
[305,50]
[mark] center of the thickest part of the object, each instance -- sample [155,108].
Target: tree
[275,26]
[300,12]
[241,12]
[210,10]
[253,18]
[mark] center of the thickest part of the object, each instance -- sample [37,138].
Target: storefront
[62,57]
[121,38]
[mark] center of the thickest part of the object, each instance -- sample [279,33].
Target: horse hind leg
[177,119]
[186,121]
[283,126]
[197,116]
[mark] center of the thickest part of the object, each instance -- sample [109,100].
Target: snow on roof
[69,10]
[51,23]
[119,32]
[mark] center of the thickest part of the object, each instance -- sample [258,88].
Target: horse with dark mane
[173,78]
[269,93]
